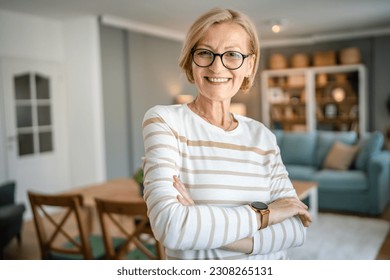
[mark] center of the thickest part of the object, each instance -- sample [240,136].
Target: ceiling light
[276,28]
[277,25]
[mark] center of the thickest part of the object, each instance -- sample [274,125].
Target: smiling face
[215,81]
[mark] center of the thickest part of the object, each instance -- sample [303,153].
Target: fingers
[306,220]
[287,207]
[184,197]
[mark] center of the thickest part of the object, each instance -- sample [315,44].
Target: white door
[35,126]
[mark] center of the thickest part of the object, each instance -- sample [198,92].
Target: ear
[251,65]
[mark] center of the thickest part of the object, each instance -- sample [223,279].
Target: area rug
[342,237]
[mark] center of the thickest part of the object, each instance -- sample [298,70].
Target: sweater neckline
[202,121]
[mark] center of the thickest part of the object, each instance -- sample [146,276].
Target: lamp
[183,99]
[238,108]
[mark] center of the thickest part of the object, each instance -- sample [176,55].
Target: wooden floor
[29,249]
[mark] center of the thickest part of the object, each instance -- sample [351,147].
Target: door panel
[35,126]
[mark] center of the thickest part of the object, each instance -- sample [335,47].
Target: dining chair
[61,227]
[138,236]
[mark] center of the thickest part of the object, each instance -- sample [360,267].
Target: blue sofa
[362,188]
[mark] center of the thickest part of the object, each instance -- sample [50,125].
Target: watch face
[259,205]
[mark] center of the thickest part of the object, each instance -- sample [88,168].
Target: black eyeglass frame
[244,56]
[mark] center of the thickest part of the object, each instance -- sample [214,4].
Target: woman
[231,196]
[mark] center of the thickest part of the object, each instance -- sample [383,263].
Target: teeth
[218,80]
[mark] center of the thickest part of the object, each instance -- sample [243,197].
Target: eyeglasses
[232,60]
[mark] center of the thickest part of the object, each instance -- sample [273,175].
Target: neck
[217,116]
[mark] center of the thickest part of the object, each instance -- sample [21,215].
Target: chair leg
[19,239]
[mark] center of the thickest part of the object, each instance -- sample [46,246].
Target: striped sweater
[223,171]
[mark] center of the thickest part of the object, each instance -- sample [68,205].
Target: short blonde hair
[200,27]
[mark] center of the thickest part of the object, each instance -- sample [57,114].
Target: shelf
[311,100]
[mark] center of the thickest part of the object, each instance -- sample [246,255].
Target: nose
[217,65]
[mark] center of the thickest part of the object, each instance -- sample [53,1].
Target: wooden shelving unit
[315,98]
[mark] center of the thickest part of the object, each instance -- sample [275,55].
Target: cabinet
[315,98]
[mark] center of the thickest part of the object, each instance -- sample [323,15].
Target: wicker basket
[325,58]
[350,56]
[299,60]
[277,61]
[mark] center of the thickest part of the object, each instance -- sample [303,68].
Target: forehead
[225,35]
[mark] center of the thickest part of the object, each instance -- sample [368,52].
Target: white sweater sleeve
[181,227]
[289,233]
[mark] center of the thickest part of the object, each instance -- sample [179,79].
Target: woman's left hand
[184,197]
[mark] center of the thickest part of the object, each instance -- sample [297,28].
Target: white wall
[74,44]
[27,37]
[83,71]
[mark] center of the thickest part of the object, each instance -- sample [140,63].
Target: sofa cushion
[298,147]
[341,181]
[340,156]
[300,172]
[370,145]
[325,140]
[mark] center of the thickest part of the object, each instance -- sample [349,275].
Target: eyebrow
[226,48]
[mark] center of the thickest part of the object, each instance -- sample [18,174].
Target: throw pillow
[340,156]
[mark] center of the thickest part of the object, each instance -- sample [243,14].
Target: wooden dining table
[121,189]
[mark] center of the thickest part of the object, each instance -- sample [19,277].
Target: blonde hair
[200,27]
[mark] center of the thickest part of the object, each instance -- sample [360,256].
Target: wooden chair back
[111,214]
[54,228]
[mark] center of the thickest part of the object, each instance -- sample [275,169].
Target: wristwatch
[261,208]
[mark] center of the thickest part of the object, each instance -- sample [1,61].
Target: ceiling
[304,19]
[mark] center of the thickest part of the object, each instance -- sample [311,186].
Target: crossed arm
[280,210]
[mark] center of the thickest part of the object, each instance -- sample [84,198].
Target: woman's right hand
[288,207]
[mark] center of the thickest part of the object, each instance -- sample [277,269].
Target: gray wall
[139,71]
[155,78]
[381,82]
[115,102]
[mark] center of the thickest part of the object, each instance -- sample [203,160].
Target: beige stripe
[226,159]
[226,187]
[223,202]
[159,165]
[249,211]
[238,223]
[182,232]
[272,229]
[222,145]
[279,191]
[212,232]
[225,235]
[160,146]
[284,236]
[162,232]
[223,172]
[197,225]
[294,230]
[152,120]
[230,146]
[157,201]
[150,188]
[279,177]
[155,133]
[261,237]
[301,227]
[149,182]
